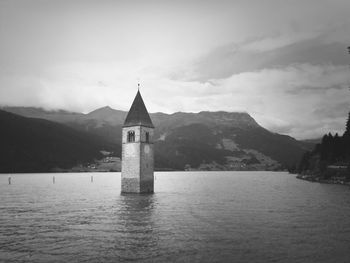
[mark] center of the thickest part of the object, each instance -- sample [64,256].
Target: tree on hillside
[346,140]
[304,162]
[327,148]
[347,127]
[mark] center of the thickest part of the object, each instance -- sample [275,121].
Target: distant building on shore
[137,150]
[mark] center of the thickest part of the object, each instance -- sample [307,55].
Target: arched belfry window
[147,136]
[131,136]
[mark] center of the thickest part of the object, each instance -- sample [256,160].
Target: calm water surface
[192,217]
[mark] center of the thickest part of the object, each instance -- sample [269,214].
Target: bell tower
[137,150]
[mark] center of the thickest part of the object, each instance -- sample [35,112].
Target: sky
[285,62]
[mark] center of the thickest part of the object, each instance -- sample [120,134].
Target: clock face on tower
[147,149]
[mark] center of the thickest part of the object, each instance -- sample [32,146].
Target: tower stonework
[137,150]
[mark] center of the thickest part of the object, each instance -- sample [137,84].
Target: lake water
[192,217]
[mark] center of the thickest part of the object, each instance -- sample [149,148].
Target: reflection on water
[134,219]
[192,217]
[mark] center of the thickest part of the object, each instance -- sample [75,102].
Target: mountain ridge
[237,140]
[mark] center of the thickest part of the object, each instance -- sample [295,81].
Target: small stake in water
[92,178]
[9,179]
[53,179]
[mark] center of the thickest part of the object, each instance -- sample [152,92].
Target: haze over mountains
[204,140]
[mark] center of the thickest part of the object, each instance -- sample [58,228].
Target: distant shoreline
[118,171]
[314,179]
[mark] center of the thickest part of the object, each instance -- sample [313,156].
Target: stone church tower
[137,150]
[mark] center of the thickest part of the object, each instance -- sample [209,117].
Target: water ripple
[192,217]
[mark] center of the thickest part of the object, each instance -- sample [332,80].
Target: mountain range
[205,140]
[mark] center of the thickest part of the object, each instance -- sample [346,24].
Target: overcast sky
[283,62]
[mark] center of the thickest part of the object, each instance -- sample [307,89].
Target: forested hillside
[329,158]
[37,145]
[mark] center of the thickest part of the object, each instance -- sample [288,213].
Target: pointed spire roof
[138,114]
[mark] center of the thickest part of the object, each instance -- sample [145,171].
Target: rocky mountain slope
[204,140]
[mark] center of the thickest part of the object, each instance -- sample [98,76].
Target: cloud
[301,100]
[333,112]
[288,68]
[267,95]
[268,52]
[20,90]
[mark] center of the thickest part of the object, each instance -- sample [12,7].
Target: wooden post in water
[92,178]
[53,179]
[9,179]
